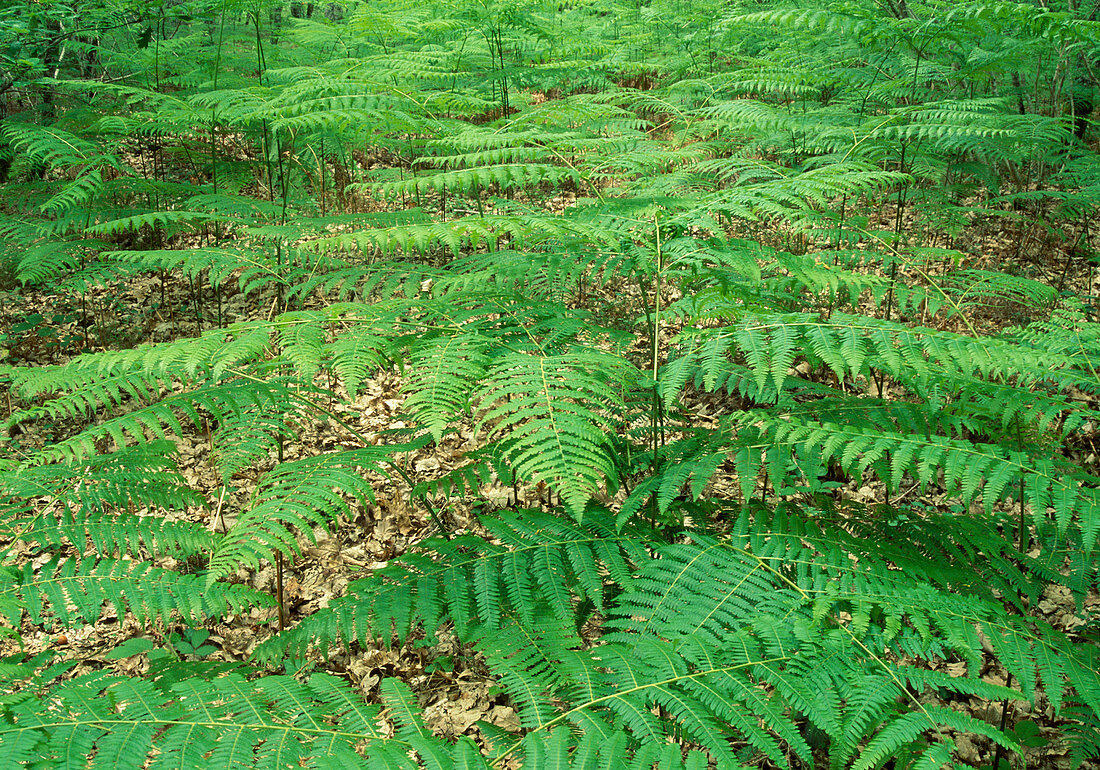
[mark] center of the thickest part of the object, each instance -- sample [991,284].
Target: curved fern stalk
[144,368]
[552,415]
[110,534]
[141,476]
[467,233]
[156,419]
[253,268]
[974,471]
[797,200]
[508,176]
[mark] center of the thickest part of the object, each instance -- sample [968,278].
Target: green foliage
[187,713]
[716,276]
[550,410]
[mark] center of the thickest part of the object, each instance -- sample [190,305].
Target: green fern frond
[457,235]
[257,268]
[170,222]
[214,352]
[971,470]
[161,417]
[71,591]
[701,627]
[542,563]
[552,415]
[190,713]
[50,145]
[358,352]
[293,499]
[244,438]
[444,372]
[137,477]
[113,534]
[848,345]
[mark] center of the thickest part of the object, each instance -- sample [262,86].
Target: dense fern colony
[573,229]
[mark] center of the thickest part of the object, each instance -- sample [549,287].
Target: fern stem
[998,753]
[655,357]
[1023,536]
[284,188]
[656,413]
[321,173]
[280,604]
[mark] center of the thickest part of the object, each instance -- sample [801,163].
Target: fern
[444,372]
[547,410]
[523,576]
[73,593]
[191,711]
[141,476]
[726,269]
[302,494]
[701,625]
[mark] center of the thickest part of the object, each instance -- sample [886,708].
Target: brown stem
[279,589]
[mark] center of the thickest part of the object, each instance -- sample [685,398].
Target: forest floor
[449,680]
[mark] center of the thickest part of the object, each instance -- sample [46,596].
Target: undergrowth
[567,226]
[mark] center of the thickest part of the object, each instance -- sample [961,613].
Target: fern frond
[552,414]
[190,713]
[444,372]
[972,470]
[137,477]
[244,438]
[294,498]
[113,534]
[160,417]
[74,591]
[541,564]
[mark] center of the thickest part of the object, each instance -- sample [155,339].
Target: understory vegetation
[756,343]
